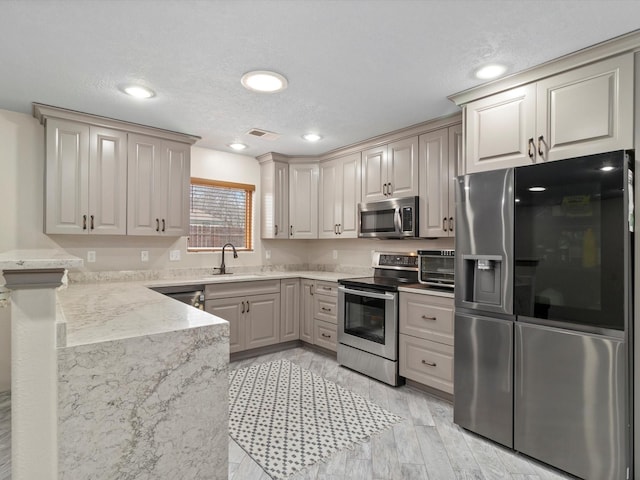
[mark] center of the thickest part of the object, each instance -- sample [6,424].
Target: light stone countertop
[37,260]
[101,312]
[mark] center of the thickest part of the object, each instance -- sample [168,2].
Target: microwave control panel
[407,219]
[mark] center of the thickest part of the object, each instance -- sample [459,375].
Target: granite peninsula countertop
[105,311]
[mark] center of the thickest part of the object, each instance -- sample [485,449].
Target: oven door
[369,321]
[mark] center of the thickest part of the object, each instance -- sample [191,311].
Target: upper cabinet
[583,111]
[339,195]
[86,179]
[158,188]
[440,157]
[104,176]
[390,170]
[274,182]
[303,200]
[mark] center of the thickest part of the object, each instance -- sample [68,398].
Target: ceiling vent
[264,134]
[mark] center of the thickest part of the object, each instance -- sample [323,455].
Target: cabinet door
[402,168]
[456,160]
[143,180]
[374,174]
[303,201]
[262,317]
[289,310]
[350,183]
[587,110]
[306,311]
[107,182]
[434,184]
[232,310]
[274,212]
[67,177]
[176,183]
[329,199]
[499,129]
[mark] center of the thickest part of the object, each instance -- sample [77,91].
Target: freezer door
[483,376]
[484,242]
[570,407]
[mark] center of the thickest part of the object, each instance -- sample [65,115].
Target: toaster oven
[436,268]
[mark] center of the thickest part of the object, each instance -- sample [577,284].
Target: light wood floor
[426,445]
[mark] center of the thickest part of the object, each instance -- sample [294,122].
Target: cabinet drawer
[427,317]
[327,288]
[427,362]
[325,308]
[325,334]
[240,289]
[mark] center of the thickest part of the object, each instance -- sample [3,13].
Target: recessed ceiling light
[264,81]
[138,91]
[537,189]
[490,71]
[607,168]
[311,137]
[238,146]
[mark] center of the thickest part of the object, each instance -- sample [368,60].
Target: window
[221,212]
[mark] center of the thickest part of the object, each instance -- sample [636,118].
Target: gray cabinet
[303,200]
[426,340]
[306,310]
[440,156]
[274,197]
[390,170]
[86,179]
[289,309]
[583,111]
[252,310]
[339,195]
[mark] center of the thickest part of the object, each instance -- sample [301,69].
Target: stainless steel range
[368,316]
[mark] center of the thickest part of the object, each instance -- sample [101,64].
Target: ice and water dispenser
[482,279]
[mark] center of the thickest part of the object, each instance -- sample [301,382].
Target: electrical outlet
[335,254]
[267,254]
[144,256]
[174,255]
[91,256]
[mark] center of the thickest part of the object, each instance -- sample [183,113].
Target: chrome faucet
[223,268]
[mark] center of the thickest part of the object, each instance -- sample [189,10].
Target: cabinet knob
[431,364]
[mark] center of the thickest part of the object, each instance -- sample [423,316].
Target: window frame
[249,193]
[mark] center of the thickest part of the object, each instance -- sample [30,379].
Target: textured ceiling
[356,69]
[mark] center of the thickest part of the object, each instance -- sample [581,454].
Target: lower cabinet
[306,310]
[426,340]
[319,313]
[325,335]
[289,309]
[254,320]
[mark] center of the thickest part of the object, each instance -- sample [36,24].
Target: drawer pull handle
[431,364]
[325,309]
[325,335]
[424,317]
[84,222]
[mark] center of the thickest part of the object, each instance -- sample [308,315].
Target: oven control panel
[396,260]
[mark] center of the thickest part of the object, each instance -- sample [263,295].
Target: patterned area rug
[287,418]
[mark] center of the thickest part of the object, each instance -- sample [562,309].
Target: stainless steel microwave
[393,218]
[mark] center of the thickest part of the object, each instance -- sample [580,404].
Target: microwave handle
[362,293]
[397,219]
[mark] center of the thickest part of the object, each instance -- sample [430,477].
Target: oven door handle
[363,293]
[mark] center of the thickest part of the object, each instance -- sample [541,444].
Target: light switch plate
[335,254]
[91,256]
[174,255]
[144,256]
[267,254]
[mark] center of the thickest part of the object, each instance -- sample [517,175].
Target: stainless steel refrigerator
[543,317]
